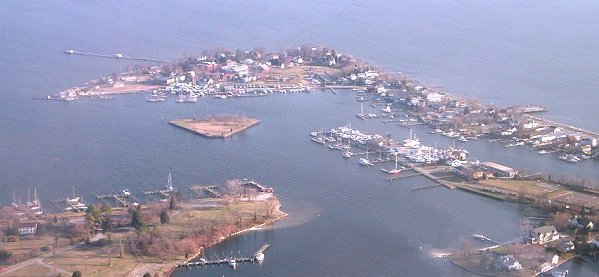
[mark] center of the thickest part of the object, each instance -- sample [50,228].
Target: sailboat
[395,170]
[361,114]
[365,161]
[411,141]
[169,186]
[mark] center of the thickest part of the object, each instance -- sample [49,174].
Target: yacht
[314,134]
[233,263]
[126,192]
[347,154]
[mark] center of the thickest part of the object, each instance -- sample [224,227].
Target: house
[543,234]
[500,170]
[565,246]
[27,228]
[434,97]
[507,262]
[581,223]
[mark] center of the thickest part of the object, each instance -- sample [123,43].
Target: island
[216,127]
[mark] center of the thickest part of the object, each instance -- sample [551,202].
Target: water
[344,219]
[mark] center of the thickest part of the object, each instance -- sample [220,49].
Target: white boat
[318,140]
[386,109]
[259,257]
[313,134]
[347,154]
[233,263]
[126,192]
[365,162]
[462,139]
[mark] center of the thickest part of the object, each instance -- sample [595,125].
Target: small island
[216,127]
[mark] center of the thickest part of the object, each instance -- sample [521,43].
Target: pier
[260,187]
[209,189]
[425,187]
[403,176]
[115,56]
[258,257]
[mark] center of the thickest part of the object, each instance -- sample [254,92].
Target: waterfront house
[565,246]
[581,223]
[543,234]
[27,228]
[500,171]
[507,262]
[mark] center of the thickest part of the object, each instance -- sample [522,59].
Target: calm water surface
[344,219]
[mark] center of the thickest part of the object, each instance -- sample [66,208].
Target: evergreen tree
[172,203]
[164,218]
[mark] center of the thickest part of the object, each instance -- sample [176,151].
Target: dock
[425,187]
[403,176]
[211,190]
[257,257]
[255,184]
[115,56]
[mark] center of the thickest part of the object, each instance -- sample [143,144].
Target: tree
[105,209]
[137,220]
[164,218]
[172,203]
[93,214]
[107,224]
[5,255]
[77,274]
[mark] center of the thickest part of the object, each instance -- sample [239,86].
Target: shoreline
[174,266]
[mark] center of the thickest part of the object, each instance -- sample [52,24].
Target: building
[27,228]
[543,234]
[565,246]
[500,170]
[507,262]
[471,173]
[581,223]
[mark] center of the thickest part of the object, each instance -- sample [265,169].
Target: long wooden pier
[115,56]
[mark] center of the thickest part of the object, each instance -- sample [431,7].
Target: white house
[543,234]
[27,228]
